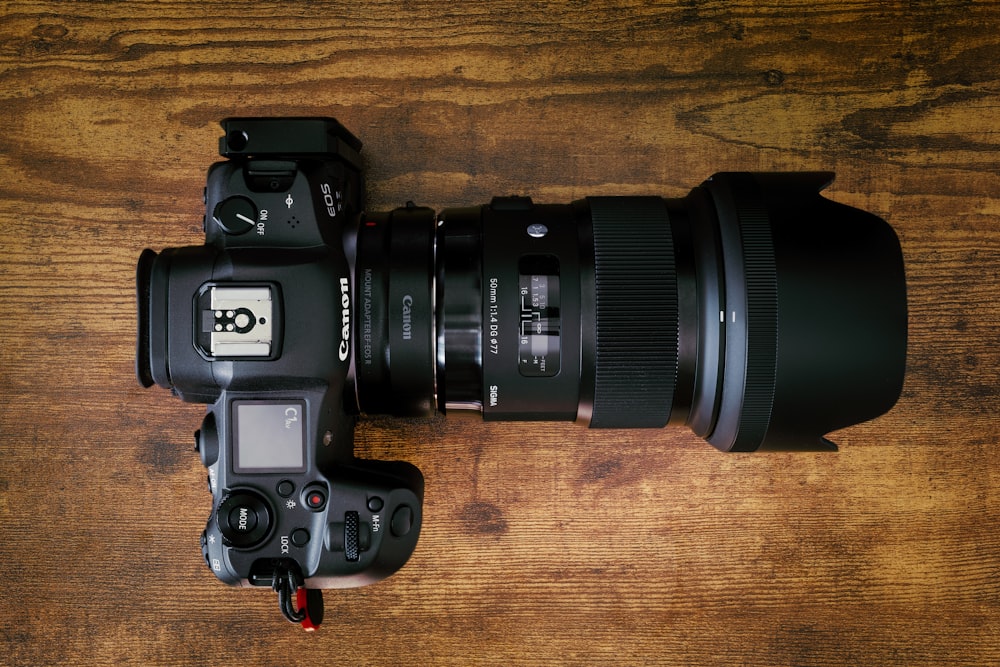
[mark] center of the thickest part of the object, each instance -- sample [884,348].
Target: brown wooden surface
[546,543]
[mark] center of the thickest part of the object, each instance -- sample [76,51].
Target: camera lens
[754,310]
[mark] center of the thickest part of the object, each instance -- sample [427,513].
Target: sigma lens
[754,310]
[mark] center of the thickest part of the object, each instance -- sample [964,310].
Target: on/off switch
[235,215]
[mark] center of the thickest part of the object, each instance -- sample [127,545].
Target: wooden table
[543,543]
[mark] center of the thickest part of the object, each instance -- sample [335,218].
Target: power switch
[235,215]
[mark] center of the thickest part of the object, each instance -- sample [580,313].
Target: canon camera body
[754,311]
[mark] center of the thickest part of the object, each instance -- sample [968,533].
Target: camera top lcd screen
[269,436]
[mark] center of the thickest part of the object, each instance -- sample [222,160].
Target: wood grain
[547,543]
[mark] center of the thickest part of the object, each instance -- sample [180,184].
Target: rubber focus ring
[636,321]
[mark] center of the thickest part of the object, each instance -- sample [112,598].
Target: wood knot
[49,32]
[774,77]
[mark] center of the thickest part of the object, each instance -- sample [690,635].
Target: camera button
[243,519]
[315,499]
[402,521]
[300,537]
[375,504]
[285,488]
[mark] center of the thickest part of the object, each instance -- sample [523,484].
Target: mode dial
[244,518]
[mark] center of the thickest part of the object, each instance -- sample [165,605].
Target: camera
[755,311]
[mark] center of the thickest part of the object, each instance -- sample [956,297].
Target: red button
[316,500]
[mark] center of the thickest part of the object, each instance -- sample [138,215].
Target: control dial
[244,518]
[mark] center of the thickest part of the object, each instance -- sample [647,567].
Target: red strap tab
[308,604]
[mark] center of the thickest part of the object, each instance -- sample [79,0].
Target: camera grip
[376,510]
[356,527]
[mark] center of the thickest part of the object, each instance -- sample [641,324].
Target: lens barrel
[753,310]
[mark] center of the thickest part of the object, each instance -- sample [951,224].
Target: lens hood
[815,318]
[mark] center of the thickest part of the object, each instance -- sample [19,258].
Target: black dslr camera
[755,311]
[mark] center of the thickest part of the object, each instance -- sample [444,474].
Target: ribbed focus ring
[636,312]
